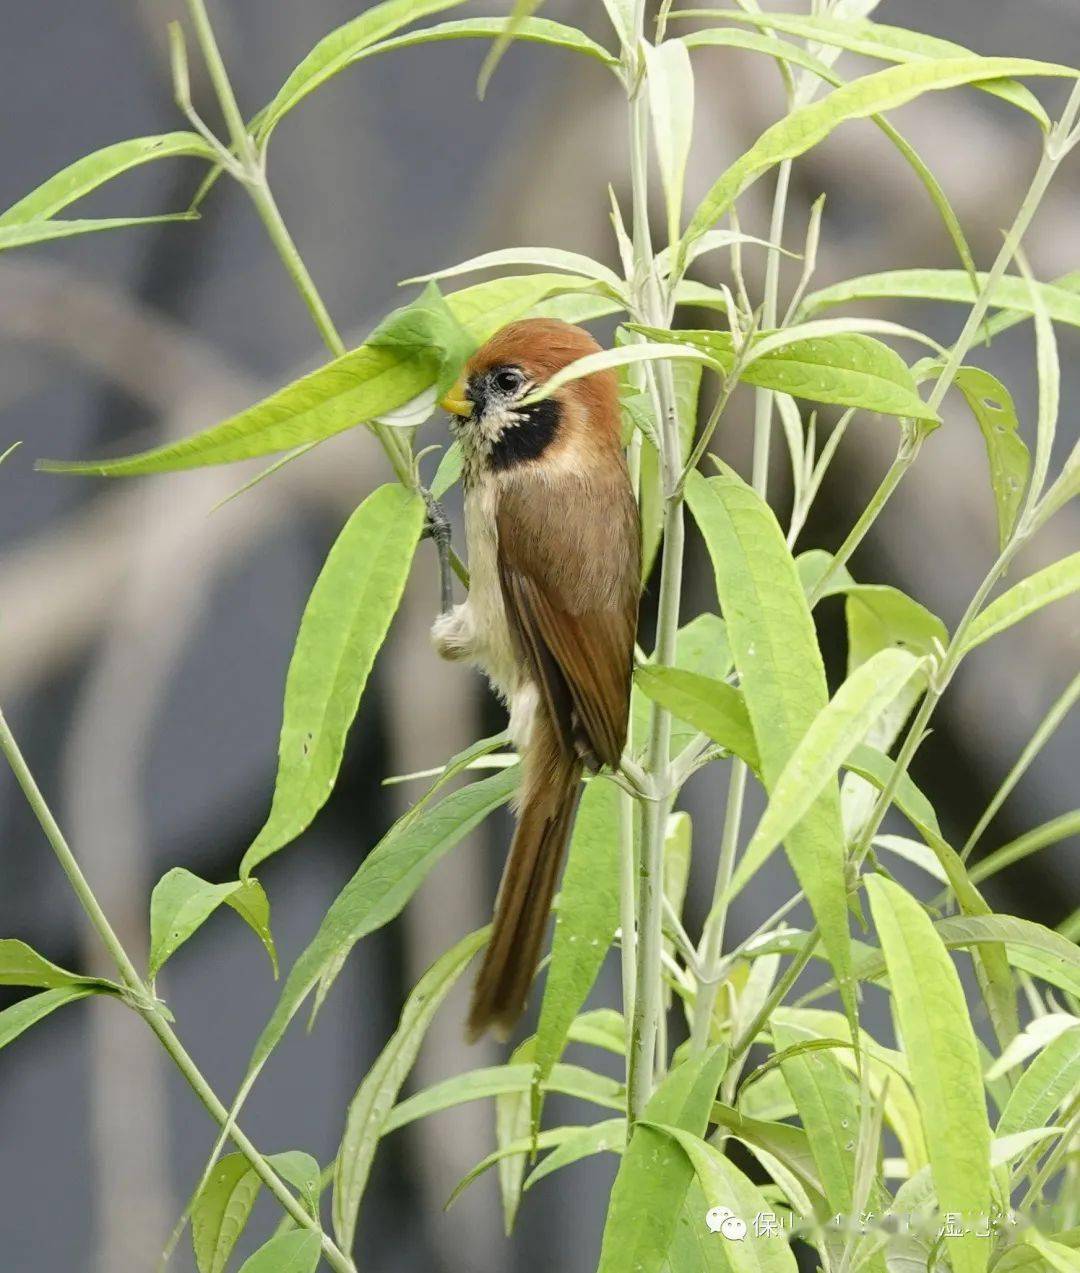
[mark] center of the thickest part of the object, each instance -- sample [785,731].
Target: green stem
[712,940]
[142,999]
[627,902]
[648,999]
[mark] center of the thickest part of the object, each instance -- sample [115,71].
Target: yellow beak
[455,401]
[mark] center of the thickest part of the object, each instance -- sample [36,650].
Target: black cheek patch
[529,438]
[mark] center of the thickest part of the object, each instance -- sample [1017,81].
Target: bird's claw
[437,529]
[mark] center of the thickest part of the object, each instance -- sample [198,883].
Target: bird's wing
[569,565]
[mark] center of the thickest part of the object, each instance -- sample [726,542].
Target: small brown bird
[554,559]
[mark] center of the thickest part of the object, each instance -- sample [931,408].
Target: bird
[554,547]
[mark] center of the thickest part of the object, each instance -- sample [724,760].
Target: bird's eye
[508,380]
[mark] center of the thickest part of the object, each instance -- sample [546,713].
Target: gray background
[144,641]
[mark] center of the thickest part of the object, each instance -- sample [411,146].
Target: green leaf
[654,1174]
[552,258]
[891,44]
[221,1211]
[724,1185]
[369,1108]
[465,759]
[485,307]
[530,30]
[27,1012]
[711,706]
[1059,1257]
[943,1056]
[885,90]
[520,13]
[828,1105]
[91,171]
[182,902]
[335,51]
[833,734]
[877,769]
[547,1139]
[1057,829]
[599,1138]
[1010,461]
[449,471]
[621,356]
[783,681]
[295,1252]
[21,965]
[302,1171]
[501,1080]
[23,234]
[585,925]
[361,386]
[847,369]
[1046,1084]
[387,878]
[345,621]
[670,85]
[1053,583]
[1009,293]
[796,55]
[1031,946]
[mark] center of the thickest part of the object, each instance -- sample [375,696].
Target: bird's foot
[437,529]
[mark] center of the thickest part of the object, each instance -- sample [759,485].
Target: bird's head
[499,429]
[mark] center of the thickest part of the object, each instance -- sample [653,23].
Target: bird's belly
[493,649]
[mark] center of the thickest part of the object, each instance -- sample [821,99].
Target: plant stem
[648,999]
[142,999]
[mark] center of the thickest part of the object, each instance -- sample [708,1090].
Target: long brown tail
[552,781]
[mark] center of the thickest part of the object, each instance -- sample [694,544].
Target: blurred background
[144,638]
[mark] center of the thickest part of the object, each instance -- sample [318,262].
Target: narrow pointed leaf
[670,85]
[530,30]
[343,45]
[1010,461]
[783,682]
[891,44]
[835,732]
[848,369]
[91,171]
[499,1080]
[387,878]
[654,1174]
[941,1050]
[1053,583]
[872,94]
[221,1211]
[1010,293]
[345,621]
[23,234]
[369,1108]
[551,258]
[712,706]
[21,965]
[295,1252]
[182,902]
[27,1012]
[608,1137]
[724,1185]
[1046,1084]
[383,374]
